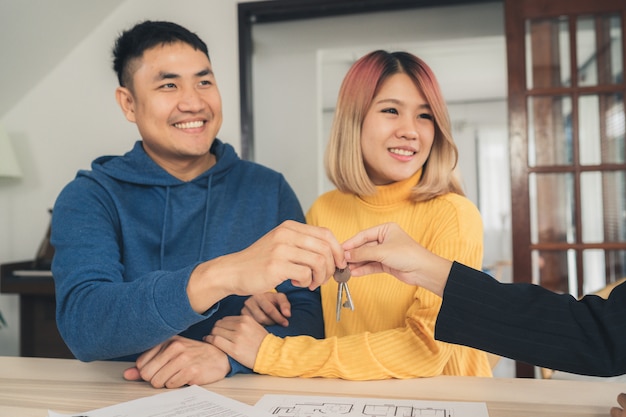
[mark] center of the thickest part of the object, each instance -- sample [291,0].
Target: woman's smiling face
[398,131]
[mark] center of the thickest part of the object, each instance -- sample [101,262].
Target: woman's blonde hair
[344,159]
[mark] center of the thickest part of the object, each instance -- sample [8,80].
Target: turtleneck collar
[393,193]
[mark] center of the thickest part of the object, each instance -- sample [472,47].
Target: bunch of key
[342,276]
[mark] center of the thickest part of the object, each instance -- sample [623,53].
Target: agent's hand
[307,255]
[620,411]
[268,308]
[239,336]
[180,361]
[387,248]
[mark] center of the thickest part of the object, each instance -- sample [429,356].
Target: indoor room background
[59,111]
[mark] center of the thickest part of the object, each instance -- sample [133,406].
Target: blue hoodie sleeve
[99,314]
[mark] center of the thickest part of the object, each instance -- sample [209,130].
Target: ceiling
[36,35]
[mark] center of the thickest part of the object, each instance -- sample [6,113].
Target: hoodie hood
[136,167]
[177,208]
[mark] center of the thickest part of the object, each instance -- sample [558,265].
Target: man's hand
[268,308]
[180,361]
[619,411]
[239,336]
[307,255]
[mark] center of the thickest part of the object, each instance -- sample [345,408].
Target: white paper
[192,401]
[310,406]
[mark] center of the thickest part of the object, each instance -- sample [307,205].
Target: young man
[520,321]
[151,248]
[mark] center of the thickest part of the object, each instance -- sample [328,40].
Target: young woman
[392,157]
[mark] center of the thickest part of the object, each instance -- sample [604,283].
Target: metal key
[342,276]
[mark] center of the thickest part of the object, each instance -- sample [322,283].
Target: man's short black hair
[132,43]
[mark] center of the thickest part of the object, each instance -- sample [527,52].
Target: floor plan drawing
[324,409]
[307,406]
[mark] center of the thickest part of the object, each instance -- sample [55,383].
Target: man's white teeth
[402,152]
[189,125]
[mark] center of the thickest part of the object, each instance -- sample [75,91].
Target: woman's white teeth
[402,152]
[189,125]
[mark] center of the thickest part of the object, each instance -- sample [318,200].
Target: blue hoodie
[127,236]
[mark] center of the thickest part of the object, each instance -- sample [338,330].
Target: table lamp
[9,167]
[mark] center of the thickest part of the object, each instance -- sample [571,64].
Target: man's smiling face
[176,105]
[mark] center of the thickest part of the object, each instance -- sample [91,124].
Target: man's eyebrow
[166,76]
[162,75]
[204,72]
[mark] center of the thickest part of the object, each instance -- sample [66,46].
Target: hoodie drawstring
[206,217]
[204,228]
[167,204]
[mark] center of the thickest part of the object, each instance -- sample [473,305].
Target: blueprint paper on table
[312,406]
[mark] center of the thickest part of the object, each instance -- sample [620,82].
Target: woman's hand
[240,337]
[268,308]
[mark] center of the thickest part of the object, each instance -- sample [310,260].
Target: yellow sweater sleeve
[408,349]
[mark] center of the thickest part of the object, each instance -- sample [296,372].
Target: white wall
[71,117]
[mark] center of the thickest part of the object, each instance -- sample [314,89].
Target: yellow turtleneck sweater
[390,334]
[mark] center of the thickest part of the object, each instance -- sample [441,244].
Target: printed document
[192,401]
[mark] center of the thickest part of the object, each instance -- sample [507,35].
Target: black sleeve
[531,324]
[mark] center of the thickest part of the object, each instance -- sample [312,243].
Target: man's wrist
[205,287]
